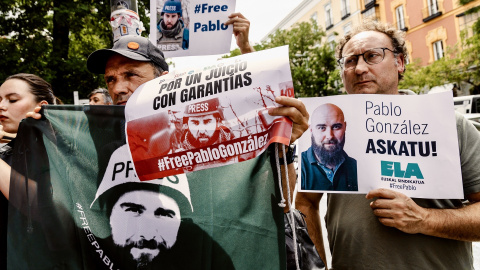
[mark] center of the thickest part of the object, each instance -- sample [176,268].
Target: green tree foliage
[313,64]
[460,64]
[53,39]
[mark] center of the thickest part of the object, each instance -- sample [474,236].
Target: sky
[263,15]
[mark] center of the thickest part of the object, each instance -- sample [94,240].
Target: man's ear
[164,73]
[400,63]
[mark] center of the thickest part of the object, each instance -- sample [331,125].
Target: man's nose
[148,230]
[121,87]
[202,128]
[329,133]
[361,66]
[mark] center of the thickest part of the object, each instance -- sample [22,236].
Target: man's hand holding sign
[395,209]
[296,111]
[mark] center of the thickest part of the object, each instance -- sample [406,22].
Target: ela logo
[390,168]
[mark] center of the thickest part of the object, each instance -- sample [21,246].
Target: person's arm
[5,169]
[308,204]
[241,27]
[6,137]
[397,210]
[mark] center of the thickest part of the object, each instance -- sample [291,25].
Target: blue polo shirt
[314,176]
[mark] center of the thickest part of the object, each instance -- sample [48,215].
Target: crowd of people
[383,230]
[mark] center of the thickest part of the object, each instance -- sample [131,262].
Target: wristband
[290,155]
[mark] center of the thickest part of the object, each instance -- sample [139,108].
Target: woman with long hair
[19,94]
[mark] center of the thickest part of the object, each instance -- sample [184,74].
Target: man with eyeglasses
[386,229]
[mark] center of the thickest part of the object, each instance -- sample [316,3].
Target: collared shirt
[329,172]
[316,176]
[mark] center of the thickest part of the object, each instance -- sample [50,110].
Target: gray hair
[104,92]
[157,70]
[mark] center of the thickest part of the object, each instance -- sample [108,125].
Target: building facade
[336,17]
[431,26]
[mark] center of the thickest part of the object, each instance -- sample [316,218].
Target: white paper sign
[407,143]
[210,116]
[199,30]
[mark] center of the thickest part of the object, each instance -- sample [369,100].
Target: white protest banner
[191,27]
[211,116]
[407,143]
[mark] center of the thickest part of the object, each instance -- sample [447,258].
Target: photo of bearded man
[325,165]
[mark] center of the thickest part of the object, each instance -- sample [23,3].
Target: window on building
[438,50]
[328,16]
[370,13]
[314,17]
[347,28]
[432,7]
[368,2]
[466,21]
[400,18]
[345,9]
[331,41]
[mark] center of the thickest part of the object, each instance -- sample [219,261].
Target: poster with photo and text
[211,116]
[357,143]
[191,27]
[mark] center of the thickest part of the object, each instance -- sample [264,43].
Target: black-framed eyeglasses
[371,57]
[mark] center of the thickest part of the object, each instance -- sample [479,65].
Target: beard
[331,157]
[169,26]
[196,141]
[144,260]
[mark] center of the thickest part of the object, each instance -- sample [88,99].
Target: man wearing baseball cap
[132,61]
[172,32]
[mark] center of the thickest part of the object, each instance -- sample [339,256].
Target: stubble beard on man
[331,157]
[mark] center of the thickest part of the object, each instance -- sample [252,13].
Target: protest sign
[76,203]
[191,27]
[406,143]
[212,116]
